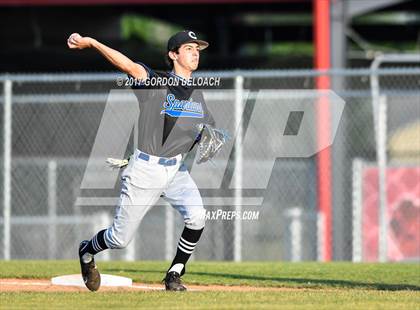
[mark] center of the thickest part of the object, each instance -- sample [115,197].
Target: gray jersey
[169,116]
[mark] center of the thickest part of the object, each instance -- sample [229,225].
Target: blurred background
[358,200]
[243,34]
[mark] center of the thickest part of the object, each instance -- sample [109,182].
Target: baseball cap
[185,36]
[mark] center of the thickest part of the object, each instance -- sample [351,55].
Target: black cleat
[90,273]
[173,282]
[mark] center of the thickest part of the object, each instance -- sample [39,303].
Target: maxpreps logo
[182,108]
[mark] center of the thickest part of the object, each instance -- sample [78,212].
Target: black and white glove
[210,142]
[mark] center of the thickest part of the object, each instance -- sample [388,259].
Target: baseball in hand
[75,40]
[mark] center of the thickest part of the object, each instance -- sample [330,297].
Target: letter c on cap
[192,35]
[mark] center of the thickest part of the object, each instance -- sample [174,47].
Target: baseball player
[155,169]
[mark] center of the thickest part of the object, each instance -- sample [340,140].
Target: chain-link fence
[52,127]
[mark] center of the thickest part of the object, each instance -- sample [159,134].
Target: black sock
[95,245]
[186,245]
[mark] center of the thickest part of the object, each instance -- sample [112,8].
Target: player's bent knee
[115,242]
[122,244]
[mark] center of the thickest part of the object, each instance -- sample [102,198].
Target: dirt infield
[44,285]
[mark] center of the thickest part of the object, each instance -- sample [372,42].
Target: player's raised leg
[184,196]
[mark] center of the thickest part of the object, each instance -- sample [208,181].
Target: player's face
[189,56]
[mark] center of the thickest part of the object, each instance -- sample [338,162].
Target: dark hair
[168,59]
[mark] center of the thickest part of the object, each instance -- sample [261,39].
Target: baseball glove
[210,142]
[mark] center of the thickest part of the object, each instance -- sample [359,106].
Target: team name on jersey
[182,108]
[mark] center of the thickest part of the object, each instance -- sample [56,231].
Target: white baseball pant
[143,183]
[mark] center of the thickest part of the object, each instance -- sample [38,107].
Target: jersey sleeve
[140,84]
[142,91]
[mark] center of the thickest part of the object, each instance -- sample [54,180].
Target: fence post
[382,164]
[105,221]
[101,221]
[52,209]
[323,122]
[130,250]
[320,230]
[7,138]
[169,232]
[295,216]
[237,235]
[357,200]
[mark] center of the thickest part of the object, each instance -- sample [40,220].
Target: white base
[106,280]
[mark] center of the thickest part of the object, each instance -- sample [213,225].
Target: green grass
[353,299]
[323,286]
[272,274]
